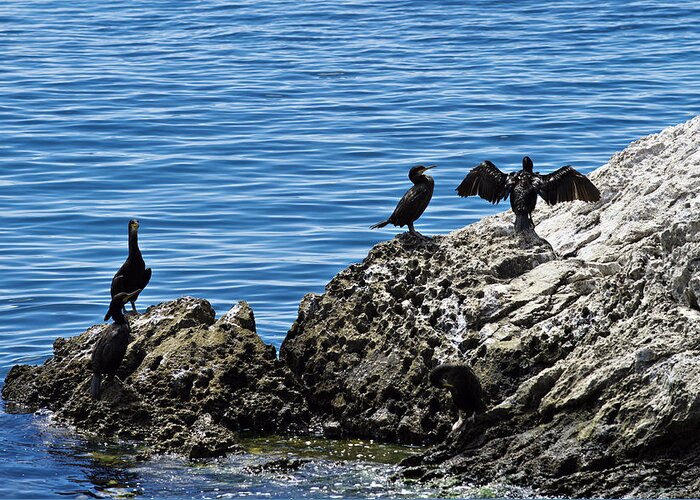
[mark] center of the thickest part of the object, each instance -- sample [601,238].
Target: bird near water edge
[413,203]
[564,184]
[465,388]
[110,348]
[133,274]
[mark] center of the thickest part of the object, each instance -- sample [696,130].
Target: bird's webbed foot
[420,236]
[412,231]
[530,237]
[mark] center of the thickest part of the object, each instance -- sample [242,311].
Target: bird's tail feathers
[523,223]
[379,224]
[95,386]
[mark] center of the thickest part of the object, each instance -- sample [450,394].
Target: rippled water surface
[257,141]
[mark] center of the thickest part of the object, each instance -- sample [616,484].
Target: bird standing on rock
[414,201]
[564,184]
[464,386]
[133,274]
[110,347]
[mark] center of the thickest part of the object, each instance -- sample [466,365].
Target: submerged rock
[188,382]
[280,465]
[588,349]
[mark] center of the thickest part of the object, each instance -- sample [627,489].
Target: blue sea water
[257,141]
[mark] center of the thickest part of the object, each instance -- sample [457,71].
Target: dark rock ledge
[587,345]
[189,383]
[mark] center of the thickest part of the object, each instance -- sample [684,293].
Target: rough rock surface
[588,349]
[189,382]
[587,344]
[364,349]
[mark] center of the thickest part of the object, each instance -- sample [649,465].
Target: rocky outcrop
[587,344]
[363,350]
[188,382]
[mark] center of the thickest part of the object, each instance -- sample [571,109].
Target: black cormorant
[110,347]
[464,386]
[414,202]
[564,184]
[133,274]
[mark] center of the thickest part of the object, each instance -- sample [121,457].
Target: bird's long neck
[134,243]
[421,179]
[119,318]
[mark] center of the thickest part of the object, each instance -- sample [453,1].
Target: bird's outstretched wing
[485,180]
[567,184]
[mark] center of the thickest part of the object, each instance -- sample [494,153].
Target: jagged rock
[189,382]
[588,349]
[278,466]
[363,350]
[586,342]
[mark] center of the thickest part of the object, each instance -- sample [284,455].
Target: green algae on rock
[189,382]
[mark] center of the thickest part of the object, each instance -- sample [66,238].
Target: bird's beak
[431,166]
[135,292]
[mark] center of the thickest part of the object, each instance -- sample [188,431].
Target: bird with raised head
[564,184]
[414,201]
[133,275]
[464,386]
[110,348]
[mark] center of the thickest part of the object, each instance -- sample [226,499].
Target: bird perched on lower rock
[564,184]
[133,274]
[110,347]
[414,201]
[464,386]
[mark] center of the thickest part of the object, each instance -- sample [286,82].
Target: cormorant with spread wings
[564,184]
